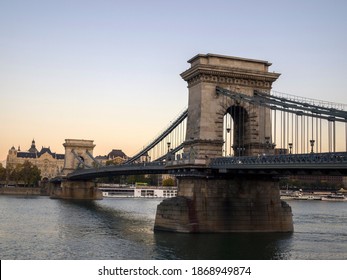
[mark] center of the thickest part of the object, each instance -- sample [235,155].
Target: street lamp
[312,144]
[267,144]
[226,141]
[290,147]
[240,151]
[168,146]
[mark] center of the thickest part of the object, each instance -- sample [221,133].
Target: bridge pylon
[78,154]
[215,202]
[206,109]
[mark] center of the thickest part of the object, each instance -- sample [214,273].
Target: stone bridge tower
[78,153]
[206,110]
[221,202]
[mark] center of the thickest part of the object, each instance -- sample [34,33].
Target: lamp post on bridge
[290,147]
[312,145]
[267,144]
[169,153]
[240,150]
[226,141]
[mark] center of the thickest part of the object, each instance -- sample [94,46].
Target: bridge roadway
[334,164]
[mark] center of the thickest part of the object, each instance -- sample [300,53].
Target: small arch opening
[235,131]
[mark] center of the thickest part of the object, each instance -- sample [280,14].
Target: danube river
[42,228]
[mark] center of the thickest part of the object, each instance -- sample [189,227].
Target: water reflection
[242,246]
[107,229]
[43,228]
[128,229]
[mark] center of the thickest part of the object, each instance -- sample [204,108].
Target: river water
[42,228]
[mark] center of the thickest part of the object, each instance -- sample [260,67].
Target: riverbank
[22,191]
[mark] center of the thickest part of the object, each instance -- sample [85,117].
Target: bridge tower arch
[206,109]
[78,153]
[235,123]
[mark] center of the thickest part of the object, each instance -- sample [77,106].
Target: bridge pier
[78,154]
[249,204]
[78,190]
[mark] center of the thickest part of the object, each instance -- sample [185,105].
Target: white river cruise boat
[138,191]
[334,197]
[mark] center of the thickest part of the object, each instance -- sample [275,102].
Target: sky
[109,70]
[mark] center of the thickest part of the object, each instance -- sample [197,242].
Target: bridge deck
[114,170]
[311,164]
[334,164]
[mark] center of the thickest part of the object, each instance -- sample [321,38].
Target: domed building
[116,157]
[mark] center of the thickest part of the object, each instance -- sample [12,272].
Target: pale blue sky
[109,70]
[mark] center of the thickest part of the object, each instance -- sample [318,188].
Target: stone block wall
[225,205]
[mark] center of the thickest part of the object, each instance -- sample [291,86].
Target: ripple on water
[43,228]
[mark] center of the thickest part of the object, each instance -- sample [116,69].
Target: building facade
[50,164]
[114,157]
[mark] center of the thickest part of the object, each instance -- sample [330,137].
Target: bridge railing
[133,165]
[319,158]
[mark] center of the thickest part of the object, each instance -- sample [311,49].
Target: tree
[26,173]
[2,173]
[168,182]
[30,174]
[13,173]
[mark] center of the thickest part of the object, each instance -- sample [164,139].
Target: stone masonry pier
[225,205]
